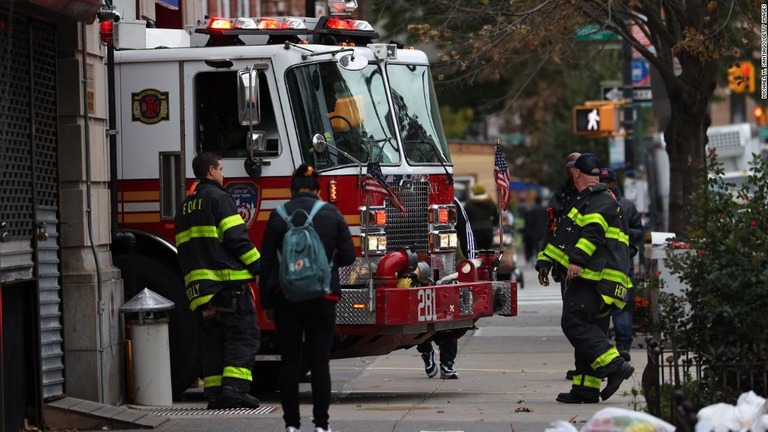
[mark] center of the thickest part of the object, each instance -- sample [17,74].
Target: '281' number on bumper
[426,310]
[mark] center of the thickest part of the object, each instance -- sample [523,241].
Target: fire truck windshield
[418,114]
[348,107]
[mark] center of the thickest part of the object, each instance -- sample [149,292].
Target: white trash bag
[749,414]
[617,420]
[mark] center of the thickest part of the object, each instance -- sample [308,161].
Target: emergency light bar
[333,30]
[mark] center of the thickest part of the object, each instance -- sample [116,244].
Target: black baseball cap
[587,163]
[607,174]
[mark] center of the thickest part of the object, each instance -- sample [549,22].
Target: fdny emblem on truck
[149,106]
[245,194]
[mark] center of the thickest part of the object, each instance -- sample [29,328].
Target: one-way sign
[639,94]
[612,93]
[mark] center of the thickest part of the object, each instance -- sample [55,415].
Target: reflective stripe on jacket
[593,235]
[213,244]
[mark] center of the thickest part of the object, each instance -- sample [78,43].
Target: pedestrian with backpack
[301,288]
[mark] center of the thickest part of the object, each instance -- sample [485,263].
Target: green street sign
[593,32]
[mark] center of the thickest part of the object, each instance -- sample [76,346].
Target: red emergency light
[220,24]
[106,32]
[347,24]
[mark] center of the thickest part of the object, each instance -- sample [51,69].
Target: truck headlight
[376,244]
[444,240]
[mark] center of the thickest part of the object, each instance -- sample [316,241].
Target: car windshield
[418,114]
[349,108]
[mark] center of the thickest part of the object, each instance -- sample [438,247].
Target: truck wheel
[146,272]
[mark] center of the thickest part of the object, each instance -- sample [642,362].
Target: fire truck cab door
[219,126]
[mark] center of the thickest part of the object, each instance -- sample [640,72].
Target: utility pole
[628,122]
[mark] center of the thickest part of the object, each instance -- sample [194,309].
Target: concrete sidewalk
[511,370]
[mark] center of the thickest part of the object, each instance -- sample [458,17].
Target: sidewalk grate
[199,412]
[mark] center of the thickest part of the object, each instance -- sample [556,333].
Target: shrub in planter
[726,271]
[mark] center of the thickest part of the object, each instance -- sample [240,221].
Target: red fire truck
[268,94]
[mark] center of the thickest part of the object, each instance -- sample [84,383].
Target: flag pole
[501,215]
[371,290]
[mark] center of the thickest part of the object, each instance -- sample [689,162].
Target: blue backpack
[304,270]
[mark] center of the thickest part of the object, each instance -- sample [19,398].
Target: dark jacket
[561,200]
[213,244]
[330,226]
[482,214]
[635,224]
[593,235]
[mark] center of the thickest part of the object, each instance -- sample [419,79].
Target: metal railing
[677,382]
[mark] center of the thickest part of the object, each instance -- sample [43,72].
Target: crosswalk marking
[537,297]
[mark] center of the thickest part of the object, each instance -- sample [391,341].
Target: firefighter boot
[212,395]
[575,398]
[230,398]
[585,389]
[621,371]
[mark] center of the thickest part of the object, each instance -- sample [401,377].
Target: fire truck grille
[411,230]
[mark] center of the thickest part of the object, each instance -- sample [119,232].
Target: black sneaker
[230,398]
[430,363]
[571,398]
[448,372]
[615,378]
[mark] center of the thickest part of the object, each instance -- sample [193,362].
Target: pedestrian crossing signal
[741,77]
[595,120]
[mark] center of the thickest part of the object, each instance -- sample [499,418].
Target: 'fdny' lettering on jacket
[191,206]
[620,292]
[193,291]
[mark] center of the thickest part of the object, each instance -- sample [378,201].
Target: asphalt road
[510,371]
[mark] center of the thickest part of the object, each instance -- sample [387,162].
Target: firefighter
[218,260]
[560,201]
[622,319]
[590,247]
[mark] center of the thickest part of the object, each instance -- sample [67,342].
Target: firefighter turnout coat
[213,244]
[593,234]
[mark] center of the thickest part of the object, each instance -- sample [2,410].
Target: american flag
[374,182]
[501,173]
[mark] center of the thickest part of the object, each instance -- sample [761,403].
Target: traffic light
[595,119]
[760,116]
[741,77]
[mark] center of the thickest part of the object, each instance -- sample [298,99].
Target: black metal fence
[677,383]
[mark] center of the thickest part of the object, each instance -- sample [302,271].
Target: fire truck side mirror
[319,143]
[248,103]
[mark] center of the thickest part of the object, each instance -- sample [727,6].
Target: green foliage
[513,41]
[726,268]
[456,122]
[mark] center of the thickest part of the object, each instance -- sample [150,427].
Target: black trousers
[585,320]
[305,330]
[230,342]
[448,350]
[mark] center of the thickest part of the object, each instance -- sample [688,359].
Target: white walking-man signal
[593,120]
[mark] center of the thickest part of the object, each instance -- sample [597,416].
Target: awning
[170,4]
[80,10]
